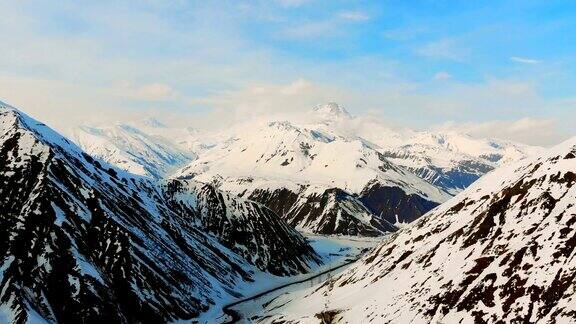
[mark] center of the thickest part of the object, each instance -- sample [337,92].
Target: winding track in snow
[236,316]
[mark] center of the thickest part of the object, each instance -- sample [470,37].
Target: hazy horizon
[493,70]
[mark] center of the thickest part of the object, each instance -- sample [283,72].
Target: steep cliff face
[251,230]
[394,205]
[86,241]
[331,211]
[501,251]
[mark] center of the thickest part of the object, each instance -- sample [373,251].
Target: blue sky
[490,68]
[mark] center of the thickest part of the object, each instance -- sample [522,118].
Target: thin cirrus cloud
[148,92]
[333,26]
[446,49]
[521,130]
[292,3]
[353,15]
[524,60]
[442,75]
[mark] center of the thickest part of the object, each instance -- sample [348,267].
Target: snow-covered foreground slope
[83,241]
[502,251]
[318,180]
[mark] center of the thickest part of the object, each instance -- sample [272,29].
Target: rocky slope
[503,251]
[251,230]
[84,241]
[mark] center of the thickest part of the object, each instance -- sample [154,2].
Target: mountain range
[324,172]
[474,230]
[502,251]
[84,241]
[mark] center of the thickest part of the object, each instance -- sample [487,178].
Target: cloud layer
[417,64]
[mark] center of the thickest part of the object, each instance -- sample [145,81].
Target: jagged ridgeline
[503,251]
[316,179]
[83,241]
[324,171]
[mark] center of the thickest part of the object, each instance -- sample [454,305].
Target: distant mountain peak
[331,111]
[153,122]
[5,106]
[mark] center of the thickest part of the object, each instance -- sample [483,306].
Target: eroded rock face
[331,212]
[377,210]
[502,251]
[251,230]
[393,205]
[83,241]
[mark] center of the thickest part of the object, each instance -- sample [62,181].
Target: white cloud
[528,130]
[442,49]
[524,60]
[311,30]
[442,75]
[331,27]
[353,15]
[292,3]
[268,100]
[147,92]
[60,104]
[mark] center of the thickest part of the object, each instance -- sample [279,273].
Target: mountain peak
[4,105]
[331,111]
[153,123]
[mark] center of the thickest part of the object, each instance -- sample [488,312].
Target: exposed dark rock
[393,204]
[84,242]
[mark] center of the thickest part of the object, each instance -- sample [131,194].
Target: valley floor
[337,253]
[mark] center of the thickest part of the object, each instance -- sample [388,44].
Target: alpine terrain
[502,251]
[325,171]
[453,161]
[84,241]
[317,178]
[145,148]
[328,175]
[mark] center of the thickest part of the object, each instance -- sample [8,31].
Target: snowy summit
[331,111]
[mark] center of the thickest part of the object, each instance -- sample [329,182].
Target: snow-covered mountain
[331,112]
[85,242]
[502,251]
[453,161]
[249,229]
[318,179]
[145,148]
[324,172]
[331,175]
